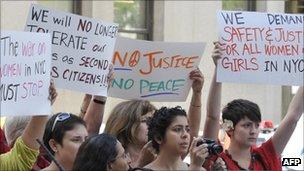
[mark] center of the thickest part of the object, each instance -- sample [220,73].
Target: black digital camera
[213,147]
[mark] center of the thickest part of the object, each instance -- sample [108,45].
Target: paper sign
[155,71]
[82,48]
[265,48]
[25,73]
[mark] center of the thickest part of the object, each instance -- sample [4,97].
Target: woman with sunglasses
[101,152]
[64,133]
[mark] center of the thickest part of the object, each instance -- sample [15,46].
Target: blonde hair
[125,118]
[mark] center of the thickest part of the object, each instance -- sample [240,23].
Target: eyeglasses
[61,117]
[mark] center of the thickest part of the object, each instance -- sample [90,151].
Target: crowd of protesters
[138,136]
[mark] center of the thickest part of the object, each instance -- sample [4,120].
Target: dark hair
[239,109]
[158,124]
[95,153]
[59,129]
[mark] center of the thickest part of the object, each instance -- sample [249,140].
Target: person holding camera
[169,131]
[241,119]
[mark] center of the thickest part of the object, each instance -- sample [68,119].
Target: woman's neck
[66,166]
[240,154]
[238,149]
[134,151]
[168,161]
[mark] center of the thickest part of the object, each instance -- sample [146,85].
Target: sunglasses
[61,117]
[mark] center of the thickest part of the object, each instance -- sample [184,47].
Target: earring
[109,166]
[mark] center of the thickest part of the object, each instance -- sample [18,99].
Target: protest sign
[25,73]
[82,48]
[156,71]
[264,48]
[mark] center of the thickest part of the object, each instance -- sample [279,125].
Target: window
[134,18]
[294,6]
[239,5]
[66,6]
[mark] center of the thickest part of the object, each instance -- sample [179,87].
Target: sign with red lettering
[82,48]
[263,48]
[25,73]
[156,71]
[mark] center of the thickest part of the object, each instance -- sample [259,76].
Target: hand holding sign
[52,93]
[217,53]
[198,80]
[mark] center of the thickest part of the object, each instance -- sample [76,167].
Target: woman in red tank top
[241,119]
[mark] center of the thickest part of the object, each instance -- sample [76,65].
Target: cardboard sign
[25,73]
[263,48]
[82,48]
[155,71]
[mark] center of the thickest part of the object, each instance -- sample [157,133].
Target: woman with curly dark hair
[169,131]
[127,122]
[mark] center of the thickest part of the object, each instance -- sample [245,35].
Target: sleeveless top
[262,158]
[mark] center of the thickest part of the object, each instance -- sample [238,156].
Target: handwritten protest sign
[155,71]
[25,73]
[264,48]
[82,48]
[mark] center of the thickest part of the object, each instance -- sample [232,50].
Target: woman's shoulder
[152,167]
[149,167]
[48,168]
[45,169]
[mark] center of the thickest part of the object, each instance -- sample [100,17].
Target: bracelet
[196,105]
[197,91]
[99,101]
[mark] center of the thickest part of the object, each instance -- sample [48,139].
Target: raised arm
[35,128]
[94,114]
[287,126]
[85,104]
[212,125]
[195,109]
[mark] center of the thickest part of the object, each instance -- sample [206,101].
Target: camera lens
[216,149]
[213,147]
[199,142]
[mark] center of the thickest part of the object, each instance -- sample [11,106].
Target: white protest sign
[82,48]
[155,71]
[264,48]
[25,73]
